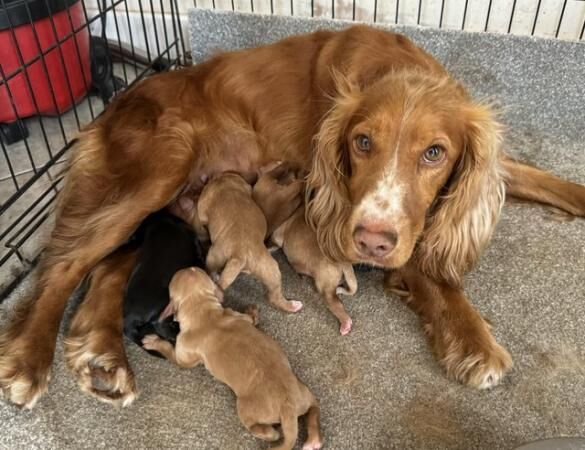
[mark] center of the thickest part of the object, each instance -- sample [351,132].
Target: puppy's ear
[167,312]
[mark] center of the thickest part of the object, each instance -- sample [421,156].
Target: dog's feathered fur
[305,99]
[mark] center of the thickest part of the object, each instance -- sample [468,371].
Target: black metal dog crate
[61,62]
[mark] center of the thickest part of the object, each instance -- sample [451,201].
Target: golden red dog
[405,172]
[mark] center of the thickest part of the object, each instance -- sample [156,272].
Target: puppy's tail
[350,280]
[230,272]
[290,426]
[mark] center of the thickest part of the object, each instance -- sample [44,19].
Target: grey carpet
[380,387]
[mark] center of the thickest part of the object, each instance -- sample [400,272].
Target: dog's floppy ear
[462,220]
[327,196]
[168,311]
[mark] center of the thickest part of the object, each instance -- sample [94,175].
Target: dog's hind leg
[248,414]
[266,270]
[532,184]
[112,184]
[230,272]
[94,347]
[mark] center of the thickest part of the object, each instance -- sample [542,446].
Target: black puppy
[166,245]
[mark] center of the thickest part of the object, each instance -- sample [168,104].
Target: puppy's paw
[313,444]
[295,306]
[252,311]
[345,326]
[151,341]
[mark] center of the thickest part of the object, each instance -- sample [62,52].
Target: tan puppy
[299,243]
[252,364]
[278,192]
[237,228]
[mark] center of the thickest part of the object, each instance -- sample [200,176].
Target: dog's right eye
[362,143]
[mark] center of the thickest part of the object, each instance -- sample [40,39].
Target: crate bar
[10,168]
[30,208]
[442,14]
[487,19]
[144,30]
[180,35]
[512,17]
[120,47]
[132,39]
[50,189]
[85,81]
[55,45]
[38,173]
[464,15]
[397,9]
[104,16]
[561,19]
[33,96]
[536,18]
[156,29]
[29,85]
[418,12]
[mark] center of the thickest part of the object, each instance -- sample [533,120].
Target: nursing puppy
[166,245]
[252,364]
[278,192]
[299,243]
[237,228]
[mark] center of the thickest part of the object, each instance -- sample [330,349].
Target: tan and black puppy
[251,363]
[299,243]
[237,228]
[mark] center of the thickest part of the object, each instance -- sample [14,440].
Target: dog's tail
[350,280]
[230,272]
[290,426]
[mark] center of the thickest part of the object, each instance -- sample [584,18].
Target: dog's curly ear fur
[327,198]
[462,220]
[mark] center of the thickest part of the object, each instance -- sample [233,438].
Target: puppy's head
[191,285]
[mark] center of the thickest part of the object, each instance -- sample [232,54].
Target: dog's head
[407,165]
[193,285]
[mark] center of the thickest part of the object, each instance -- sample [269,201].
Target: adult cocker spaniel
[405,172]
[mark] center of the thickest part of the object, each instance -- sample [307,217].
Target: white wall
[525,17]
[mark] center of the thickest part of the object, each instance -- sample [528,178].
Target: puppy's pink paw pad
[295,306]
[345,327]
[312,445]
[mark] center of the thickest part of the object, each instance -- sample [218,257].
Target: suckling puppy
[166,245]
[252,364]
[278,192]
[237,228]
[300,245]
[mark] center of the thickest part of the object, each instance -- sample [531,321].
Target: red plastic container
[56,80]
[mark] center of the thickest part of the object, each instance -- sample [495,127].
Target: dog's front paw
[24,371]
[472,356]
[98,361]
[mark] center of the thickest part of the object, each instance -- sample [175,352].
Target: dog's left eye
[433,155]
[363,143]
